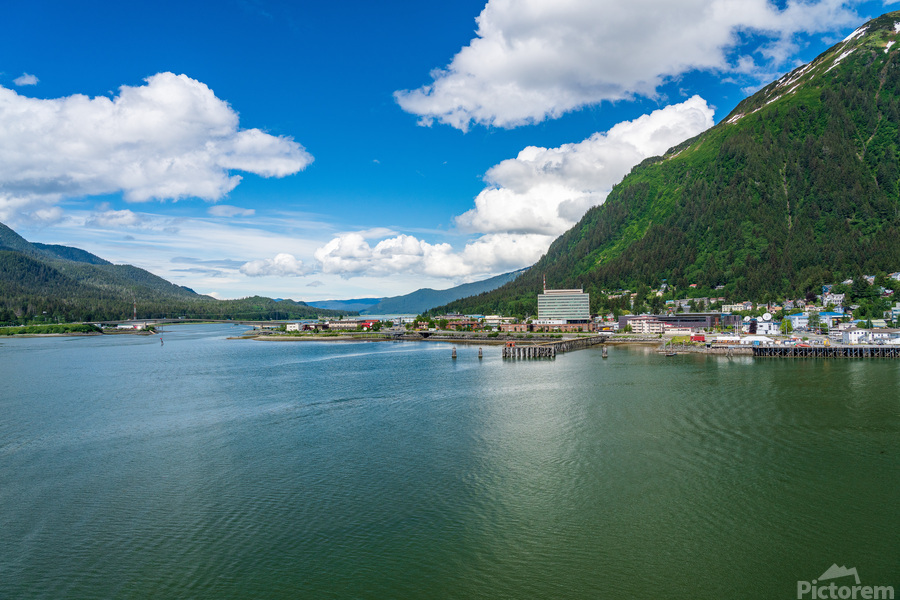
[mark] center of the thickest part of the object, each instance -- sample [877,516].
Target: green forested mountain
[798,186]
[49,282]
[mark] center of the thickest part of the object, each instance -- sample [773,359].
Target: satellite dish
[746,319]
[767,317]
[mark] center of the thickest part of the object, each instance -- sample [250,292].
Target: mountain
[424,299]
[58,282]
[419,301]
[357,304]
[797,187]
[69,253]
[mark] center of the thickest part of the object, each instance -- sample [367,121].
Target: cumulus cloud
[530,200]
[533,60]
[283,265]
[225,210]
[170,138]
[547,190]
[26,79]
[351,255]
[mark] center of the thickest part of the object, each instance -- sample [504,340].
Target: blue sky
[353,149]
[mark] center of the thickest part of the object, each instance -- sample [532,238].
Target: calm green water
[214,468]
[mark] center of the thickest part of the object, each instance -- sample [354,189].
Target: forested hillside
[41,282]
[797,187]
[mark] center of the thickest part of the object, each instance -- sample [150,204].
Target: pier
[827,351]
[550,349]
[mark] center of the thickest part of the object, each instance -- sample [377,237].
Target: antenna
[545,283]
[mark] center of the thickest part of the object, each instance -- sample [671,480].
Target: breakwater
[550,349]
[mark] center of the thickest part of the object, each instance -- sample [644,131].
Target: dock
[551,349]
[827,351]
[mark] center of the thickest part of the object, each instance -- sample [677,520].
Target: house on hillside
[835,299]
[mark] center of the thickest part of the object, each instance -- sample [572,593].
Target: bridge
[550,349]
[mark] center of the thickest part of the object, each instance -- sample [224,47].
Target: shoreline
[43,335]
[451,338]
[76,334]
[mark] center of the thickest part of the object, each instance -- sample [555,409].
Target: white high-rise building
[567,305]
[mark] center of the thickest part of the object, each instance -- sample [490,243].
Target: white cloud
[114,219]
[531,200]
[26,79]
[226,210]
[547,190]
[283,265]
[351,255]
[171,138]
[533,59]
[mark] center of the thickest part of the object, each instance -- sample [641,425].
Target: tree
[787,327]
[814,321]
[861,289]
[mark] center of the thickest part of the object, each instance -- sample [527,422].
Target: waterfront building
[705,320]
[884,336]
[464,325]
[855,336]
[345,325]
[679,331]
[560,326]
[646,325]
[568,305]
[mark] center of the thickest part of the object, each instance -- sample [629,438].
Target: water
[215,468]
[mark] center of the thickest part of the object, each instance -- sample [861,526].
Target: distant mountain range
[419,301]
[53,282]
[798,187]
[357,305]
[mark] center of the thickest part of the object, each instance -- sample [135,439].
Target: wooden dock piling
[550,349]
